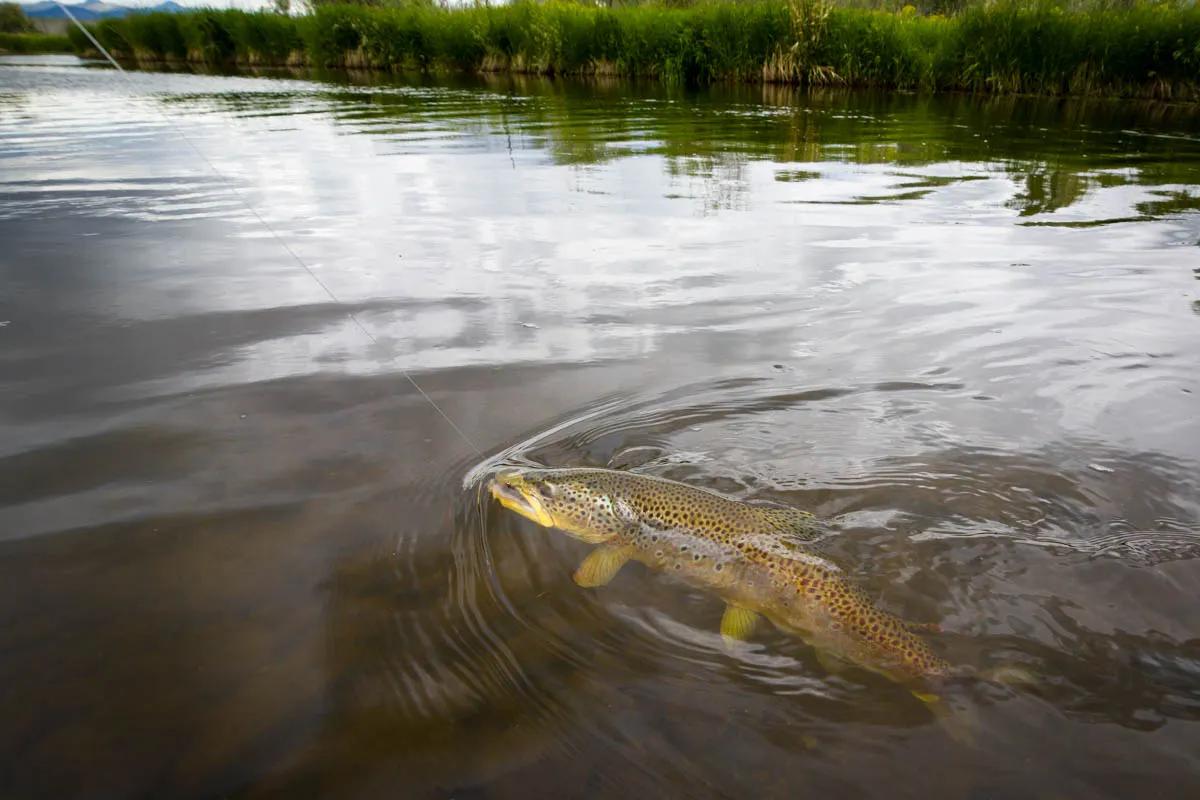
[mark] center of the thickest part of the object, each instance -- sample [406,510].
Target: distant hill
[93,10]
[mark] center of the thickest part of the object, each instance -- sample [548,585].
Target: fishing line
[241,197]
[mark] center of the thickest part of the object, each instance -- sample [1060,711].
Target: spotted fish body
[759,559]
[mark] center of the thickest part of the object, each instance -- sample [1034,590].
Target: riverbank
[25,43]
[1006,47]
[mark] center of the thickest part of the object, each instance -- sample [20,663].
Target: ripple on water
[941,535]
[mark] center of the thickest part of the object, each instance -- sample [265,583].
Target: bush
[34,43]
[1002,46]
[13,19]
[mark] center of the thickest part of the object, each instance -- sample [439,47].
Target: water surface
[241,556]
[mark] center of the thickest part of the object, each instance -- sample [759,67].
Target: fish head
[526,493]
[576,501]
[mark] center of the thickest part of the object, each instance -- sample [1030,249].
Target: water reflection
[1055,154]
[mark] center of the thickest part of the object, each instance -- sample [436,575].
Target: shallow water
[240,555]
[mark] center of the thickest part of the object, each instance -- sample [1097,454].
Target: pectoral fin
[601,565]
[737,624]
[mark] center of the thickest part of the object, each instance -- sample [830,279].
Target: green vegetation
[17,34]
[34,43]
[1143,49]
[13,19]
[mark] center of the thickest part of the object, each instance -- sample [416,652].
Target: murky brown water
[241,557]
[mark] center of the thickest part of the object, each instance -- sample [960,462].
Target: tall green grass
[34,43]
[208,36]
[1145,49]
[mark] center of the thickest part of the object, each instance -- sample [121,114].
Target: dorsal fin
[793,521]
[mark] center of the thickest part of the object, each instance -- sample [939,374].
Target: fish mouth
[510,489]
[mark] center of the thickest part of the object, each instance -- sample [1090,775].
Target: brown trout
[759,559]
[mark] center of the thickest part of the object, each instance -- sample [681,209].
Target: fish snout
[506,477]
[505,482]
[513,491]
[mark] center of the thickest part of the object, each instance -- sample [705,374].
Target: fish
[760,559]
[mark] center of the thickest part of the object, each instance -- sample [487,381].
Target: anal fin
[829,662]
[601,566]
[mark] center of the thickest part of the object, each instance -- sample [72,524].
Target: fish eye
[545,490]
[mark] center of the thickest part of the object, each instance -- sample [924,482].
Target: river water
[241,555]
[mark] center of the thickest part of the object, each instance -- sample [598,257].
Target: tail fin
[1012,675]
[960,724]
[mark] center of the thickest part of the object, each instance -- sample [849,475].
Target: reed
[1006,46]
[34,43]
